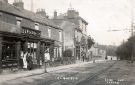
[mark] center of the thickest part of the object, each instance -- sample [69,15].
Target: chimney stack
[55,14]
[42,12]
[19,4]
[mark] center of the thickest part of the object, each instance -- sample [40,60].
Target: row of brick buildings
[24,31]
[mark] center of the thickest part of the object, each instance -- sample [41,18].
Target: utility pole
[132,27]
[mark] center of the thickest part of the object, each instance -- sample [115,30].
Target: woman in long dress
[25,64]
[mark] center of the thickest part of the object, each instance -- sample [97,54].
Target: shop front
[9,50]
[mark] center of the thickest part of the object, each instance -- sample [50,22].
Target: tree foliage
[125,50]
[83,40]
[90,42]
[110,50]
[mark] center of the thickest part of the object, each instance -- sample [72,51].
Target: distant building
[97,52]
[24,31]
[74,31]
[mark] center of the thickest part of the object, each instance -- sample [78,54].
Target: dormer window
[18,21]
[37,26]
[60,35]
[49,32]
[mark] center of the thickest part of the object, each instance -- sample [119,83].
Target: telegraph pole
[132,27]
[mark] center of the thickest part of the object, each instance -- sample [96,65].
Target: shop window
[28,45]
[35,45]
[8,51]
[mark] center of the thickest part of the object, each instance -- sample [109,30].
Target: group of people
[26,61]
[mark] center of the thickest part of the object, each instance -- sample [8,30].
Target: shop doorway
[9,58]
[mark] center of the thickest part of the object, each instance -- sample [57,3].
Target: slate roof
[6,7]
[7,27]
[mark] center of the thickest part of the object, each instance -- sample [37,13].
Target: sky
[102,16]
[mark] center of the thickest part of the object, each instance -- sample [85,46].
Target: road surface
[122,73]
[85,74]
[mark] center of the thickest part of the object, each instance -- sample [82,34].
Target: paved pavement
[65,75]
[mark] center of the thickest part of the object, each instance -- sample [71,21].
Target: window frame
[49,32]
[60,35]
[36,26]
[19,25]
[20,20]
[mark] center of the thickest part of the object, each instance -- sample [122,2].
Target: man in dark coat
[30,62]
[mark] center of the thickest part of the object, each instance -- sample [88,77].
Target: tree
[83,41]
[125,50]
[90,42]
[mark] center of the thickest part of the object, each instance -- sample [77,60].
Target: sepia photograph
[67,42]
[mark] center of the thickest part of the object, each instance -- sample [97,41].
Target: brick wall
[44,31]
[55,34]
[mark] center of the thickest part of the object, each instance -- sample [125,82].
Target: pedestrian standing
[46,59]
[25,64]
[29,62]
[21,60]
[47,55]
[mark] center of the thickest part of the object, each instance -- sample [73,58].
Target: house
[24,31]
[97,53]
[74,31]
